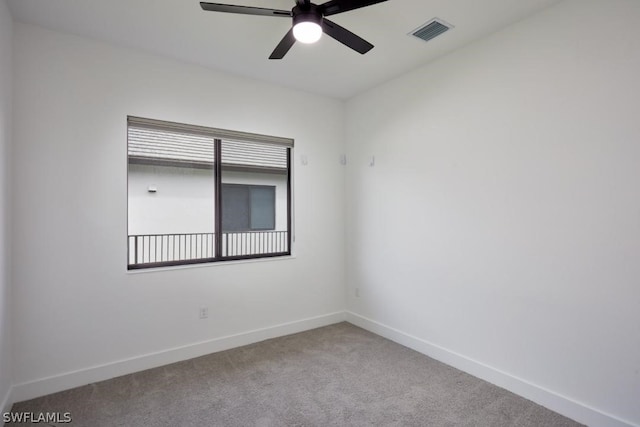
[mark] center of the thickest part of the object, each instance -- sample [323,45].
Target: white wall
[5,138]
[500,225]
[183,202]
[76,307]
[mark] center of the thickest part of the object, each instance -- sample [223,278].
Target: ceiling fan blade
[245,10]
[346,37]
[338,6]
[283,47]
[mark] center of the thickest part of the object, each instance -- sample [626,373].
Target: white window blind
[156,144]
[151,141]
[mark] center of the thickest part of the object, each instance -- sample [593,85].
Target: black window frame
[219,135]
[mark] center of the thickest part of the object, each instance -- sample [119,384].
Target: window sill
[210,264]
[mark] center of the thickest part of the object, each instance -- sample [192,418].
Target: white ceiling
[242,44]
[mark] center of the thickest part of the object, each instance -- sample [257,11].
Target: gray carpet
[339,375]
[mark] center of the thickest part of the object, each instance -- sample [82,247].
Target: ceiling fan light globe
[307,32]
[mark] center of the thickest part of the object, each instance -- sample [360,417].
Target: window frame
[218,135]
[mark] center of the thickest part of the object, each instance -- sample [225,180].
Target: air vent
[431,29]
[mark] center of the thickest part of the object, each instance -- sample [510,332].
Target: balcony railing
[193,247]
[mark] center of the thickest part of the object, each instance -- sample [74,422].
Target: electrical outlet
[357,292]
[204,312]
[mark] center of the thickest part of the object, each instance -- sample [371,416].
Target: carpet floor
[339,375]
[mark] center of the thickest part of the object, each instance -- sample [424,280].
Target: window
[248,207]
[199,194]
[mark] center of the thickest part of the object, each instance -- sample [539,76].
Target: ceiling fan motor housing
[310,14]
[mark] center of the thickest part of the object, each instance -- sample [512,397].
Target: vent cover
[431,29]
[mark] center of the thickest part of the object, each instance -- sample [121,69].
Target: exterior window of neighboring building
[248,207]
[199,194]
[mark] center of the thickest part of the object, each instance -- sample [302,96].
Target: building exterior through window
[186,207]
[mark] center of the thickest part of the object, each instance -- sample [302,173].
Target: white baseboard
[7,402]
[43,386]
[547,398]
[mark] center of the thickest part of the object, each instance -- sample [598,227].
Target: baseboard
[7,402]
[43,386]
[547,398]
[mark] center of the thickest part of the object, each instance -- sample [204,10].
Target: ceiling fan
[309,22]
